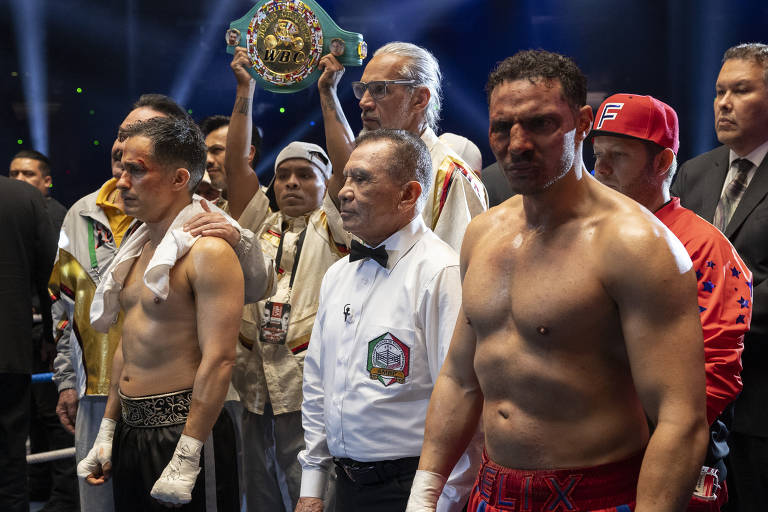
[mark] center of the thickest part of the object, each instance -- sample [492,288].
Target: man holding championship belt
[285,40]
[400,89]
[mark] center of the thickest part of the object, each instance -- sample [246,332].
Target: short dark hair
[652,150]
[409,158]
[542,65]
[45,164]
[756,52]
[161,103]
[211,123]
[175,142]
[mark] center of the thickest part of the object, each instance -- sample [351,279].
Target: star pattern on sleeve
[743,302]
[707,286]
[740,319]
[710,264]
[699,275]
[702,309]
[749,284]
[735,272]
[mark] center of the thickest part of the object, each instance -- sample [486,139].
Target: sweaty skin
[188,340]
[550,355]
[579,319]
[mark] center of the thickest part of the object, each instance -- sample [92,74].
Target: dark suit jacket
[27,250]
[699,184]
[496,184]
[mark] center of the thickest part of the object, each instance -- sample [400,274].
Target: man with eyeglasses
[400,89]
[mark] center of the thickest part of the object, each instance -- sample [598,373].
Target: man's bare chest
[137,297]
[540,287]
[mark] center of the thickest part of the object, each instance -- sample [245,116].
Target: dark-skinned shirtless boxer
[579,319]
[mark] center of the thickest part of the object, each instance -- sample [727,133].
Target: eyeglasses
[378,89]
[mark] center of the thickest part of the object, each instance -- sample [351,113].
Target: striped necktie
[732,194]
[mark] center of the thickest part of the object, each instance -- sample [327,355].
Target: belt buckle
[357,473]
[708,484]
[350,474]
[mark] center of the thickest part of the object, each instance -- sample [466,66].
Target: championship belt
[285,40]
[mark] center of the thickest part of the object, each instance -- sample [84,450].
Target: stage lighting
[34,79]
[198,55]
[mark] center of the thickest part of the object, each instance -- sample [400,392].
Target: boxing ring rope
[39,458]
[63,453]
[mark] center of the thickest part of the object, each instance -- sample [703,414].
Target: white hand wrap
[178,478]
[425,491]
[101,452]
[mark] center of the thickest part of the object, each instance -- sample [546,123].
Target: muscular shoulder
[211,258]
[502,218]
[632,242]
[210,250]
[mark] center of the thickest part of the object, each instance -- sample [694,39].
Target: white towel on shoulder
[175,244]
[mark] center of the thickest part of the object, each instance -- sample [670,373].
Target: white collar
[756,156]
[400,242]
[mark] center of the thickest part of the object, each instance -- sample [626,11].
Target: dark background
[115,50]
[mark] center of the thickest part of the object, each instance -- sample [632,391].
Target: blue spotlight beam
[30,41]
[198,55]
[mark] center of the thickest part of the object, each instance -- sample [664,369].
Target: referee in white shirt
[382,331]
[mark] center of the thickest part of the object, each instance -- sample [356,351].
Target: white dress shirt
[379,340]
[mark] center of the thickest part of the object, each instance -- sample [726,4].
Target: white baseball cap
[308,151]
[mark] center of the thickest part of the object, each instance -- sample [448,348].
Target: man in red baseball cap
[635,140]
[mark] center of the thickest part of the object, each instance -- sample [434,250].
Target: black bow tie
[359,251]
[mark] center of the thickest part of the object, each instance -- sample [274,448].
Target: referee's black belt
[366,473]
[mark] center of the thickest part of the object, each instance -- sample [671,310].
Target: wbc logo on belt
[285,41]
[388,359]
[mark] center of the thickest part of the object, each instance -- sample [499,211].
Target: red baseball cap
[639,117]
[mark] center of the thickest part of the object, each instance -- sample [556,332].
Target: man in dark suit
[728,186]
[26,258]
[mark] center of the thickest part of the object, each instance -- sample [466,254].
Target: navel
[543,330]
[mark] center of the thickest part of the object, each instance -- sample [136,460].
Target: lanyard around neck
[299,245]
[92,246]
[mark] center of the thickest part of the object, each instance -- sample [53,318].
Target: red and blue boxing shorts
[605,488]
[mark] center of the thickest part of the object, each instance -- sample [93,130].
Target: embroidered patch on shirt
[388,359]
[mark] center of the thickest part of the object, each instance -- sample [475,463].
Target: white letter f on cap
[610,112]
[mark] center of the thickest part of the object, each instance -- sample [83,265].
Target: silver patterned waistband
[156,410]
